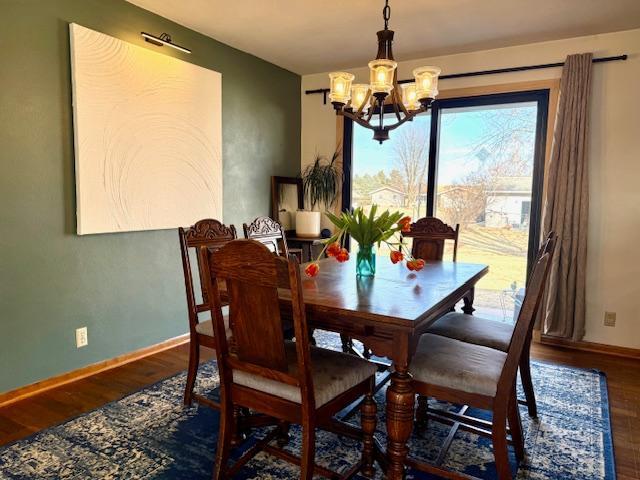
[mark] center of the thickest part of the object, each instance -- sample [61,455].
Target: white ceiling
[310,36]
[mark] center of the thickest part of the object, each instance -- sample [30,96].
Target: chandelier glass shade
[361,102]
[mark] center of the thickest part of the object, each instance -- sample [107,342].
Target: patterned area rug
[150,435]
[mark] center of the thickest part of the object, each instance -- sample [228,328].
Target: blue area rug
[150,435]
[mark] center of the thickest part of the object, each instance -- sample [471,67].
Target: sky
[460,129]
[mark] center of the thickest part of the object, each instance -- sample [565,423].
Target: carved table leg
[400,404]
[468,302]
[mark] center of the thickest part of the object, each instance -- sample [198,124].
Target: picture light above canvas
[162,40]
[148,137]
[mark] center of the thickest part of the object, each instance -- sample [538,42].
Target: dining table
[387,313]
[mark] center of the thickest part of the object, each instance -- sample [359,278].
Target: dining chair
[497,335]
[429,235]
[269,232]
[290,381]
[478,376]
[211,234]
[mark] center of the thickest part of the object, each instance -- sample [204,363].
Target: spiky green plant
[365,229]
[321,180]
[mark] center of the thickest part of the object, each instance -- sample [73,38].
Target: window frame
[541,96]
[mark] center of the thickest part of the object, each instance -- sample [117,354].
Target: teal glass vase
[366,261]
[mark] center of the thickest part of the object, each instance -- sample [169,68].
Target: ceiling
[310,36]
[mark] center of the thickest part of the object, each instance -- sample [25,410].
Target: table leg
[468,302]
[347,343]
[400,405]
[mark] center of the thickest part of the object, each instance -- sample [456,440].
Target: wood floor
[55,406]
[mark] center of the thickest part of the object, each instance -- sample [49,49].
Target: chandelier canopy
[361,101]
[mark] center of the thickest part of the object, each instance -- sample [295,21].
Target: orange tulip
[405,224]
[419,264]
[411,265]
[396,256]
[343,256]
[312,269]
[333,249]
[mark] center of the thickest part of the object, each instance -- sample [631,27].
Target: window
[474,161]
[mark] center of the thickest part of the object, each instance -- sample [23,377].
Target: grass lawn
[503,249]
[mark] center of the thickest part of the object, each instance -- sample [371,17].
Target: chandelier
[361,101]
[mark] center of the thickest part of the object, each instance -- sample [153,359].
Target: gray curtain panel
[566,205]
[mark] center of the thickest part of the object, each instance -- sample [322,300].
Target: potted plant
[368,231]
[320,182]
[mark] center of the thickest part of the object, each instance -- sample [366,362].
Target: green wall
[126,288]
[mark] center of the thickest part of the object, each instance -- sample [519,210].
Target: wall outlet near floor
[609,319]
[82,340]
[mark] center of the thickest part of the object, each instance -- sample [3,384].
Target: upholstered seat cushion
[476,330]
[333,374]
[206,327]
[447,362]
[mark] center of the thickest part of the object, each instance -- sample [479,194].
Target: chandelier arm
[396,109]
[405,119]
[396,90]
[372,109]
[360,121]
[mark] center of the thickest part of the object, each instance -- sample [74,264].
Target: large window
[474,161]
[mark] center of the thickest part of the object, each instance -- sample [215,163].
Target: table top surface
[395,294]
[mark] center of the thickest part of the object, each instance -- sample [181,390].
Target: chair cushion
[333,374]
[450,363]
[206,327]
[470,329]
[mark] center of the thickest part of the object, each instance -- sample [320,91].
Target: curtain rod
[324,91]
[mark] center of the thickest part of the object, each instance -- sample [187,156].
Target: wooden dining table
[388,313]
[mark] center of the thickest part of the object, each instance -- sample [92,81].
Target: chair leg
[225,435]
[308,451]
[500,446]
[238,436]
[515,425]
[283,433]
[527,383]
[422,415]
[368,418]
[192,371]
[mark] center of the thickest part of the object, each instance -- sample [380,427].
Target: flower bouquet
[368,231]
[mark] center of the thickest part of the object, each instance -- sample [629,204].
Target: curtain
[566,205]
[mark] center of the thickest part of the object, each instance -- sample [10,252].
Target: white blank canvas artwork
[147,137]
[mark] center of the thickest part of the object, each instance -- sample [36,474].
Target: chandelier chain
[386,13]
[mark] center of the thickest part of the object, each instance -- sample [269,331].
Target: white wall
[613,282]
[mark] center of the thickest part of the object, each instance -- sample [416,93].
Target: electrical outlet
[82,340]
[609,319]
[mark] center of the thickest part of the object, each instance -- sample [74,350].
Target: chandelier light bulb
[340,87]
[426,82]
[382,72]
[410,97]
[359,92]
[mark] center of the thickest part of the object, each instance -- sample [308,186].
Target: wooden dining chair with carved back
[478,376]
[212,234]
[493,334]
[259,370]
[269,232]
[429,235]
